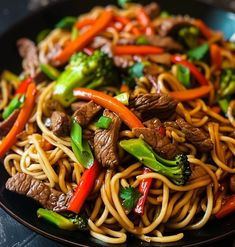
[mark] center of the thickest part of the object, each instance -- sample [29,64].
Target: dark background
[12,234]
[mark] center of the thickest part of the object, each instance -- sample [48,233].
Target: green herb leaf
[130,196]
[142,41]
[103,122]
[199,52]
[137,70]
[67,22]
[183,75]
[81,148]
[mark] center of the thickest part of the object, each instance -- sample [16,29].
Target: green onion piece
[56,219]
[50,71]
[183,75]
[14,104]
[164,14]
[42,35]
[67,22]
[137,70]
[9,76]
[103,122]
[199,52]
[123,98]
[224,103]
[74,33]
[142,41]
[81,148]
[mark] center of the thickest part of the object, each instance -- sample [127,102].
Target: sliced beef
[86,112]
[164,59]
[76,105]
[167,43]
[154,134]
[196,136]
[153,123]
[51,106]
[168,25]
[28,51]
[7,124]
[232,183]
[24,184]
[60,123]
[150,105]
[152,10]
[105,142]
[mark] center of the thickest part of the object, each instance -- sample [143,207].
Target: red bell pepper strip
[22,88]
[228,207]
[193,69]
[21,120]
[136,49]
[110,103]
[216,57]
[136,31]
[205,30]
[84,39]
[191,94]
[144,188]
[84,188]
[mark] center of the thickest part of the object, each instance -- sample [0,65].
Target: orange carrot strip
[84,39]
[85,22]
[216,57]
[136,49]
[21,120]
[205,30]
[191,94]
[106,101]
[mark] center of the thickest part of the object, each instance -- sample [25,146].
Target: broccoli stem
[178,170]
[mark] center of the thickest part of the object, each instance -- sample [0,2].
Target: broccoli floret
[189,36]
[84,71]
[227,83]
[178,170]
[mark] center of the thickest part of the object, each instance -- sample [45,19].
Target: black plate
[23,209]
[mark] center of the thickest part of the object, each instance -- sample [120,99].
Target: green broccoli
[178,170]
[67,222]
[227,83]
[84,71]
[189,36]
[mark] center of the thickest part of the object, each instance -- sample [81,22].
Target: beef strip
[147,106]
[28,51]
[167,43]
[196,136]
[49,198]
[154,134]
[60,123]
[76,105]
[86,112]
[170,24]
[232,183]
[164,59]
[105,142]
[152,10]
[7,124]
